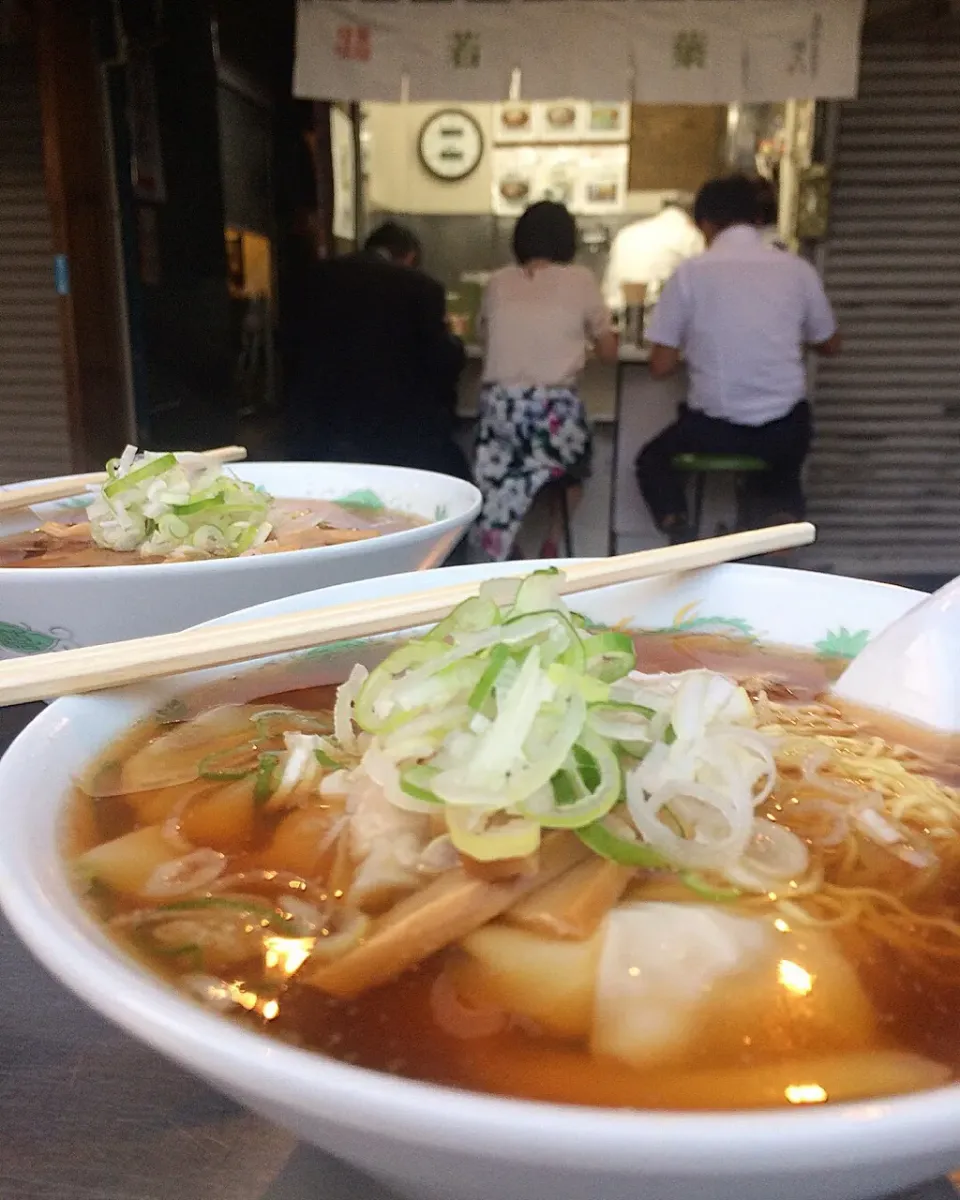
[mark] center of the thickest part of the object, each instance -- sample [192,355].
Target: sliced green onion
[557,736]
[512,839]
[709,891]
[621,722]
[617,849]
[638,751]
[594,691]
[263,786]
[373,697]
[246,539]
[502,717]
[156,466]
[170,526]
[420,692]
[152,946]
[553,632]
[267,912]
[537,593]
[228,764]
[610,655]
[273,722]
[325,760]
[587,804]
[167,502]
[565,790]
[472,616]
[499,655]
[415,782]
[587,767]
[195,506]
[502,592]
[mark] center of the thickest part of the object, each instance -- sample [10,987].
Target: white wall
[398,180]
[399,183]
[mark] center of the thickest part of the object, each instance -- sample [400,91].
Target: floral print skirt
[527,438]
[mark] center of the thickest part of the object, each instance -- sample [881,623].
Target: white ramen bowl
[432,1143]
[54,608]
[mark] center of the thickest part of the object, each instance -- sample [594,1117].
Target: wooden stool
[565,517]
[700,466]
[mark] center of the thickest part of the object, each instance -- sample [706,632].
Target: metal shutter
[885,473]
[34,431]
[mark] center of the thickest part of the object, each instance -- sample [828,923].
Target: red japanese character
[353,42]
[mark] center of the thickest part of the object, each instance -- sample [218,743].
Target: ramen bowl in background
[433,1143]
[55,608]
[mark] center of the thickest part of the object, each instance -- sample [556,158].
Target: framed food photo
[513,122]
[602,181]
[606,122]
[515,174]
[559,121]
[450,145]
[558,170]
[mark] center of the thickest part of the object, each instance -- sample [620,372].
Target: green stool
[700,466]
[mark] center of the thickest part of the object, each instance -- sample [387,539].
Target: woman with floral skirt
[537,320]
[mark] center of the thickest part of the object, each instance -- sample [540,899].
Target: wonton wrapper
[664,984]
[693,983]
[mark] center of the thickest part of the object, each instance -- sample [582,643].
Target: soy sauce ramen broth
[853,1010]
[299,525]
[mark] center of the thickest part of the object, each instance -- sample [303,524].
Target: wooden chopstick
[93,668]
[16,496]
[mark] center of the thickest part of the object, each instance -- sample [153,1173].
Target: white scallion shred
[177,505]
[513,716]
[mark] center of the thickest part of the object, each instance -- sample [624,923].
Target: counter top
[625,354]
[90,1114]
[633,354]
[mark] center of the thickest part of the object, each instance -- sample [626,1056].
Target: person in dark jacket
[375,367]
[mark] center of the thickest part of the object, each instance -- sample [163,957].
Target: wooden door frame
[80,192]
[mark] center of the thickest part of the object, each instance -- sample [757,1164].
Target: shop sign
[648,51]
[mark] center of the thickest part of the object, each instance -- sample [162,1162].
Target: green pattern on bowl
[332,648]
[836,643]
[842,643]
[363,498]
[22,639]
[686,620]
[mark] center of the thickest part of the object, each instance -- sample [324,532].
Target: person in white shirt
[537,320]
[742,315]
[649,251]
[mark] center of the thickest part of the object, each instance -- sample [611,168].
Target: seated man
[374,366]
[742,315]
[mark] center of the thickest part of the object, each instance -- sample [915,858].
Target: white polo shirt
[743,314]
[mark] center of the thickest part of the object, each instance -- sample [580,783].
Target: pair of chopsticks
[93,668]
[27,495]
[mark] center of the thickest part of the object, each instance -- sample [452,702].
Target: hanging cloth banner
[351,51]
[594,64]
[650,51]
[688,53]
[794,50]
[463,51]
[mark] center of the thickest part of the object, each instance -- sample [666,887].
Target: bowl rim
[443,1117]
[399,538]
